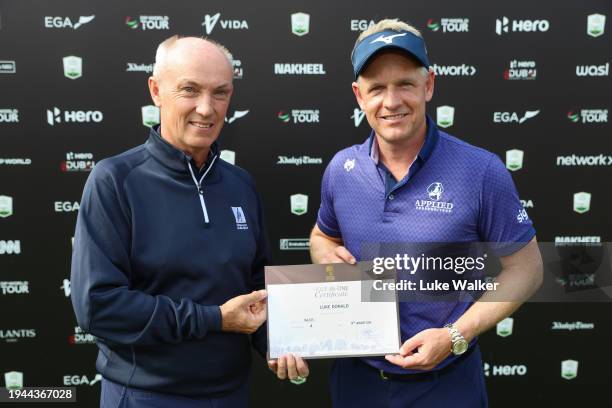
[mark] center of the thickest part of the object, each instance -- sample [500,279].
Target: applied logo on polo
[300,24]
[299,116]
[593,70]
[56,116]
[66,22]
[521,70]
[211,20]
[73,66]
[514,117]
[148,22]
[9,115]
[449,25]
[463,70]
[588,115]
[435,203]
[596,25]
[504,25]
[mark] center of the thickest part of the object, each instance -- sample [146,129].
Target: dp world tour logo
[435,191]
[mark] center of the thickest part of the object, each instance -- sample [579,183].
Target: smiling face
[193,91]
[392,91]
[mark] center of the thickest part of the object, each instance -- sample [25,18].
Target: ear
[154,90]
[357,93]
[429,85]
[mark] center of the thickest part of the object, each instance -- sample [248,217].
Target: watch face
[460,347]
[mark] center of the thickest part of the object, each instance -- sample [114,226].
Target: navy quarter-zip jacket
[154,257]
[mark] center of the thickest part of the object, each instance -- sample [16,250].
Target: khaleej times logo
[6,206]
[13,380]
[10,247]
[588,115]
[462,70]
[55,116]
[294,244]
[582,202]
[514,117]
[71,380]
[357,116]
[449,25]
[299,204]
[593,70]
[505,327]
[150,115]
[361,25]
[576,160]
[445,116]
[228,156]
[15,335]
[286,68]
[504,370]
[136,67]
[73,67]
[78,162]
[66,22]
[299,160]
[596,25]
[300,24]
[8,67]
[504,25]
[15,287]
[148,22]
[569,369]
[211,20]
[521,70]
[514,159]
[236,115]
[9,115]
[299,116]
[571,326]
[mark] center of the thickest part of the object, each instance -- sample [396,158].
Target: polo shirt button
[391,196]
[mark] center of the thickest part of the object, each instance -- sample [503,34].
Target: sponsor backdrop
[529,81]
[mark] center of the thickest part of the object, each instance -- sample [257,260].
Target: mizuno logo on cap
[387,39]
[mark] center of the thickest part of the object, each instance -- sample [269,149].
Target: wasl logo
[502,25]
[210,21]
[593,70]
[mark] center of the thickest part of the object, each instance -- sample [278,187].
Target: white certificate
[329,318]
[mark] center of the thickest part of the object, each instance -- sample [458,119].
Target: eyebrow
[189,82]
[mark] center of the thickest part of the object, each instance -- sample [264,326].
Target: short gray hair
[164,47]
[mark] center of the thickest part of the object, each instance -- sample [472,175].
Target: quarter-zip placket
[200,189]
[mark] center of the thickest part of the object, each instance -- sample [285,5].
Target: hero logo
[81,337]
[15,287]
[71,380]
[66,206]
[55,116]
[502,25]
[210,20]
[504,370]
[454,70]
[449,25]
[525,70]
[593,70]
[574,160]
[10,247]
[589,116]
[65,22]
[14,335]
[9,116]
[361,25]
[358,116]
[78,162]
[513,117]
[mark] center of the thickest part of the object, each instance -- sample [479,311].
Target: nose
[391,101]
[205,105]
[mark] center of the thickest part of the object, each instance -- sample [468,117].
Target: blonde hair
[164,47]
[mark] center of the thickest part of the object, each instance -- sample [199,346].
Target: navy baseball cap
[388,39]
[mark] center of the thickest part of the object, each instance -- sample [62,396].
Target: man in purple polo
[410,182]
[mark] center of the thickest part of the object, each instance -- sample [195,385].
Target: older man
[170,247]
[405,161]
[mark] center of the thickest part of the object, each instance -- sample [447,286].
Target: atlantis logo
[14,335]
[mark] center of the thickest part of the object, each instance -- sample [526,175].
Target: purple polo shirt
[454,192]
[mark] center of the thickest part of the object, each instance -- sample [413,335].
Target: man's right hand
[338,255]
[325,249]
[244,313]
